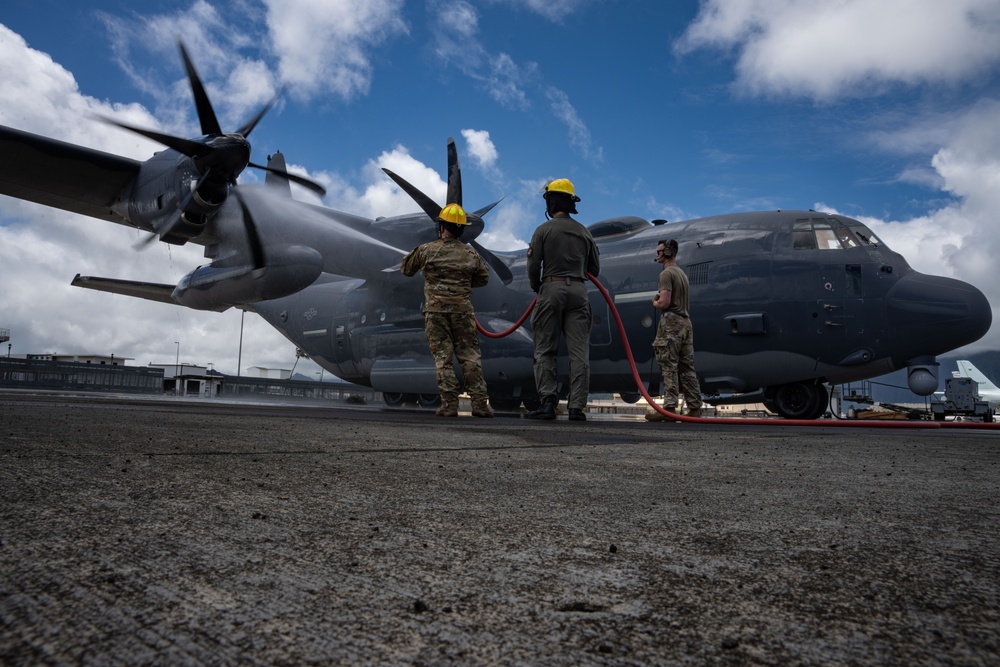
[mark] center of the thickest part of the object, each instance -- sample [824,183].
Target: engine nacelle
[288,269]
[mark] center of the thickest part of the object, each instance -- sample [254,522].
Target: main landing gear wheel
[799,400]
[630,397]
[532,402]
[392,399]
[505,403]
[429,400]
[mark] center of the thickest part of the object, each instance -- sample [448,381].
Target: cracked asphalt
[138,532]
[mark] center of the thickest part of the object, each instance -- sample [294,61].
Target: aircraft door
[841,318]
[343,355]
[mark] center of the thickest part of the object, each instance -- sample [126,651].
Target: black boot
[547,410]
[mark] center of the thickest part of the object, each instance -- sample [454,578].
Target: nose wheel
[798,400]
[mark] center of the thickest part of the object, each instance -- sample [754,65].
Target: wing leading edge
[61,175]
[141,290]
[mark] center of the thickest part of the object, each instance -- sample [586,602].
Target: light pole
[239,357]
[177,359]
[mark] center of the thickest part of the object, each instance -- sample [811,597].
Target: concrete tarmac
[138,532]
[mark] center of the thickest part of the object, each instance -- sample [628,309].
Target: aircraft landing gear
[393,399]
[505,403]
[798,400]
[428,400]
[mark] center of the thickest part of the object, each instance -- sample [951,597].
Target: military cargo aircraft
[783,302]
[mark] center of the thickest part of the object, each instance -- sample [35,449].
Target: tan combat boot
[657,416]
[447,409]
[481,409]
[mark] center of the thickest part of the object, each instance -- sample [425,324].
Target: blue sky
[886,111]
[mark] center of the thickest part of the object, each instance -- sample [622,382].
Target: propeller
[219,157]
[433,210]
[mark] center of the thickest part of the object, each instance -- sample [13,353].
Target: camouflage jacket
[451,269]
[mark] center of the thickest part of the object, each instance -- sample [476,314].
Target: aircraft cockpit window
[866,235]
[802,236]
[822,233]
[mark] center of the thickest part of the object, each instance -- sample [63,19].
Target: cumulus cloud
[481,148]
[323,45]
[960,239]
[825,49]
[866,50]
[41,249]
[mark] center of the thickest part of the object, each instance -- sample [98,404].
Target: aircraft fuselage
[778,299]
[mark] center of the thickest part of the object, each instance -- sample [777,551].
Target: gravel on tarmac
[144,533]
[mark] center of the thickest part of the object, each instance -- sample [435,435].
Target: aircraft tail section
[967,369]
[987,390]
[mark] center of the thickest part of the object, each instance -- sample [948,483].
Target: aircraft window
[853,272]
[822,233]
[802,236]
[866,235]
[826,239]
[846,236]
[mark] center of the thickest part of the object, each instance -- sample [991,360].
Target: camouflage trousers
[674,349]
[454,335]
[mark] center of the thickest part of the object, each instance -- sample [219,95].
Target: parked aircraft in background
[987,390]
[782,301]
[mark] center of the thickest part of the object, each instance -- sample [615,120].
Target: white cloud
[825,49]
[962,239]
[41,249]
[579,134]
[481,148]
[323,45]
[553,10]
[849,49]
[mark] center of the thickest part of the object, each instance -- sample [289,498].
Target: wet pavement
[140,532]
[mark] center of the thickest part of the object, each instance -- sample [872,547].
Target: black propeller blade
[454,175]
[502,270]
[253,238]
[301,180]
[218,156]
[209,123]
[431,208]
[428,205]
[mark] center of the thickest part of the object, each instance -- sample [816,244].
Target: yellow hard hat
[560,185]
[454,214]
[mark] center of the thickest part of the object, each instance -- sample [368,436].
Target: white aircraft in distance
[987,390]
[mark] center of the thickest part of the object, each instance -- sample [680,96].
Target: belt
[566,279]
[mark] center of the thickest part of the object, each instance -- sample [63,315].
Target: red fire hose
[736,420]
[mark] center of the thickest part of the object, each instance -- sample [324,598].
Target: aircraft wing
[149,291]
[62,175]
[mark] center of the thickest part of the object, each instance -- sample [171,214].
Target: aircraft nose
[931,315]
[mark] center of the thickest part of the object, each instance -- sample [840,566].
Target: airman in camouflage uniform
[451,269]
[674,341]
